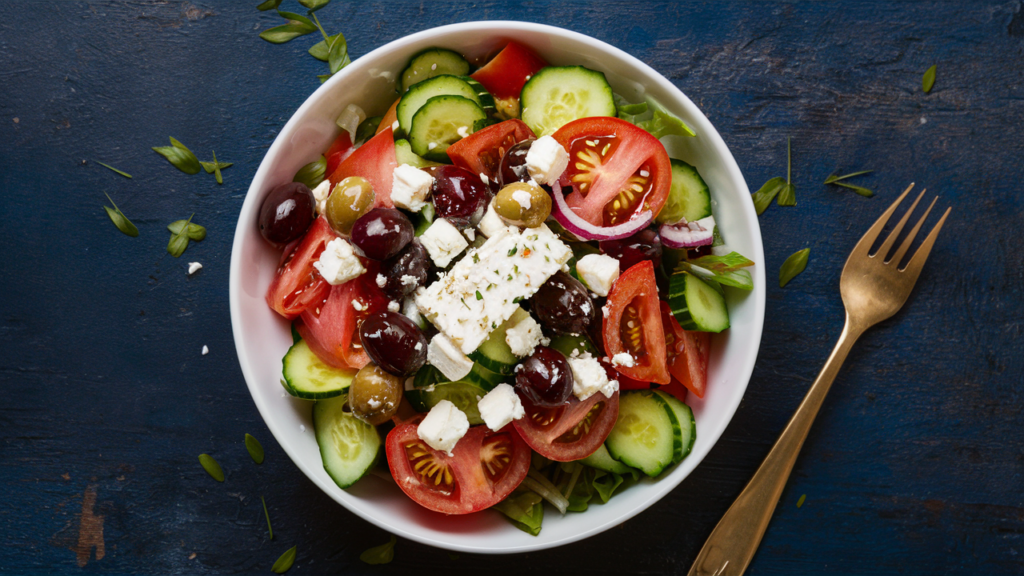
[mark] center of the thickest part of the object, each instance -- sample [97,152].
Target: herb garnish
[180,156]
[179,241]
[800,502]
[195,231]
[297,25]
[120,220]
[787,196]
[215,167]
[284,563]
[255,448]
[726,270]
[793,265]
[267,514]
[777,187]
[125,174]
[333,49]
[211,467]
[479,296]
[833,179]
[382,554]
[928,80]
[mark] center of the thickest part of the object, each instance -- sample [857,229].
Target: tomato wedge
[506,73]
[617,171]
[331,328]
[571,431]
[340,149]
[687,353]
[375,161]
[389,119]
[483,469]
[481,151]
[632,324]
[297,285]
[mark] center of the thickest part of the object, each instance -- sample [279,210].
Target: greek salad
[504,287]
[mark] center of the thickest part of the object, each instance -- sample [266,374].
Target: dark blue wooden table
[915,465]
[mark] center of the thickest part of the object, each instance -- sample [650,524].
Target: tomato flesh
[297,285]
[506,73]
[632,324]
[687,353]
[340,149]
[481,151]
[483,469]
[389,119]
[571,431]
[375,161]
[617,171]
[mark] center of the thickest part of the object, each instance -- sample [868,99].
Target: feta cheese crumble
[443,427]
[338,263]
[524,336]
[463,131]
[410,187]
[394,306]
[443,242]
[382,280]
[546,160]
[320,194]
[491,223]
[194,267]
[598,272]
[206,350]
[500,406]
[623,359]
[589,377]
[446,357]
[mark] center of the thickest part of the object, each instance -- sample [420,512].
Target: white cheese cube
[446,357]
[524,336]
[411,312]
[598,272]
[410,187]
[443,242]
[623,359]
[491,223]
[500,407]
[589,378]
[394,306]
[443,427]
[338,263]
[320,194]
[546,160]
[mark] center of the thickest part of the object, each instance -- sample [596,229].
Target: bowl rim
[249,209]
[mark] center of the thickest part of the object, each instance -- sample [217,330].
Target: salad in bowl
[501,288]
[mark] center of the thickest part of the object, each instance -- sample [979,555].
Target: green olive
[350,199]
[523,204]
[374,395]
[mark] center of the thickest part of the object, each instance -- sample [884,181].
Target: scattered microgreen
[216,168]
[179,241]
[269,5]
[726,270]
[382,554]
[312,174]
[109,167]
[284,563]
[928,80]
[267,514]
[322,49]
[512,252]
[787,196]
[195,231]
[211,467]
[255,448]
[777,187]
[313,5]
[120,220]
[838,181]
[793,265]
[297,26]
[180,157]
[332,49]
[800,502]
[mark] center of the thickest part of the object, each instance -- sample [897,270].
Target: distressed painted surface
[916,463]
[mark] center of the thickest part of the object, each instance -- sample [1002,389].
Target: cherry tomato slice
[506,73]
[298,285]
[572,431]
[687,354]
[481,151]
[375,161]
[617,171]
[339,150]
[389,119]
[632,324]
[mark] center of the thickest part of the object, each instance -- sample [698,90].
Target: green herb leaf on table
[179,241]
[858,189]
[313,5]
[764,196]
[125,174]
[312,174]
[268,5]
[284,563]
[255,448]
[285,33]
[800,502]
[211,467]
[833,178]
[787,196]
[195,231]
[838,181]
[322,49]
[928,80]
[120,220]
[180,157]
[338,55]
[267,514]
[793,265]
[382,554]
[726,270]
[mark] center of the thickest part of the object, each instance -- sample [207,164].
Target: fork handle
[733,542]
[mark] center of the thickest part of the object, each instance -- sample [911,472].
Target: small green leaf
[195,231]
[382,554]
[211,467]
[255,448]
[858,189]
[267,514]
[928,80]
[284,563]
[211,167]
[120,220]
[179,241]
[216,168]
[793,265]
[833,178]
[727,270]
[800,502]
[268,5]
[324,77]
[313,5]
[285,33]
[787,196]
[338,56]
[312,174]
[180,157]
[125,174]
[297,19]
[662,123]
[322,49]
[479,296]
[763,197]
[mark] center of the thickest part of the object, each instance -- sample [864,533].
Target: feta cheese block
[524,336]
[491,223]
[446,357]
[589,377]
[443,427]
[484,288]
[500,406]
[410,187]
[338,263]
[598,272]
[546,160]
[623,359]
[443,242]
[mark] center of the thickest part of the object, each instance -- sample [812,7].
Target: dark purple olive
[544,378]
[382,232]
[563,305]
[512,167]
[459,196]
[406,272]
[394,343]
[644,245]
[286,213]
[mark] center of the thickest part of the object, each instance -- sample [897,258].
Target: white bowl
[262,337]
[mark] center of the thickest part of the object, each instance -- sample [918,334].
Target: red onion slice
[587,231]
[688,234]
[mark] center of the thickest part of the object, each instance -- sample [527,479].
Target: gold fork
[873,289]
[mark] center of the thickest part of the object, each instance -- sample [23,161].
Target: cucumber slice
[495,354]
[688,196]
[485,98]
[567,343]
[405,155]
[428,376]
[602,460]
[687,424]
[464,395]
[441,121]
[484,378]
[557,95]
[349,447]
[697,305]
[430,63]
[418,96]
[310,378]
[647,434]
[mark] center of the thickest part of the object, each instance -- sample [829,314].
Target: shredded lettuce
[726,270]
[659,123]
[524,509]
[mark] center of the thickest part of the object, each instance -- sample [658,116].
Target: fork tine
[910,237]
[917,261]
[883,250]
[864,246]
